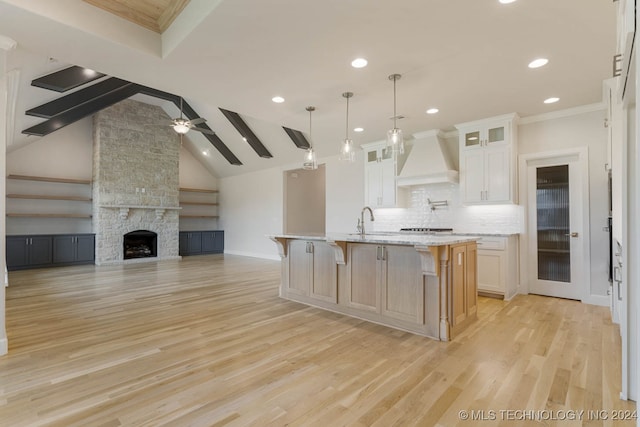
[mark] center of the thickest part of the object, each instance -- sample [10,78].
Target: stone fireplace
[135,181]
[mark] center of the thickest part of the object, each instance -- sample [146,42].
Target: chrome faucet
[361,219]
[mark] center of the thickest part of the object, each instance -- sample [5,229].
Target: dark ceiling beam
[246,133]
[77,98]
[84,110]
[69,78]
[191,114]
[297,137]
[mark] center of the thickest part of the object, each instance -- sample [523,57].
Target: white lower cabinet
[498,266]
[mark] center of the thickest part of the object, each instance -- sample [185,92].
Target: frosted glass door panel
[554,249]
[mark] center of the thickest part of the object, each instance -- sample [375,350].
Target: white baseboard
[254,255]
[4,346]
[602,300]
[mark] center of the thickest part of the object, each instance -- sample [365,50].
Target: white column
[6,44]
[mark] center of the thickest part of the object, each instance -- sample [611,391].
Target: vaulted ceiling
[466,57]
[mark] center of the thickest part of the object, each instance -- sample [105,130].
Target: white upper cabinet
[488,160]
[380,176]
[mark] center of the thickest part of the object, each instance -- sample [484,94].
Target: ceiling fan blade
[207,131]
[197,121]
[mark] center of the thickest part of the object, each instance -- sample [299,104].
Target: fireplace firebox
[140,244]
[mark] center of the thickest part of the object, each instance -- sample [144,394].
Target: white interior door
[557,226]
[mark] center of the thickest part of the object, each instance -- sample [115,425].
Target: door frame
[582,154]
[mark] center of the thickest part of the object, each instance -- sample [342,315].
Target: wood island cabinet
[312,270]
[424,287]
[385,279]
[464,270]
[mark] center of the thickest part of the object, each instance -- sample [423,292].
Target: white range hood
[428,162]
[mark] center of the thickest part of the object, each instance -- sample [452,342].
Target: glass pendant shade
[310,161]
[395,141]
[347,152]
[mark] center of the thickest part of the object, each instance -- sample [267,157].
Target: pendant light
[346,148]
[395,141]
[310,162]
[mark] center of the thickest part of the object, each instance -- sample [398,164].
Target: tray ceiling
[155,15]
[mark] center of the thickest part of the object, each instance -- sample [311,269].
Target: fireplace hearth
[140,244]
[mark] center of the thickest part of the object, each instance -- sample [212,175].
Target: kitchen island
[424,284]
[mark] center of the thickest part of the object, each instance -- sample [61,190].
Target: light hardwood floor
[207,342]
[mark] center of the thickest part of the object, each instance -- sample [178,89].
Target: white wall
[581,130]
[193,174]
[66,153]
[304,201]
[345,194]
[251,206]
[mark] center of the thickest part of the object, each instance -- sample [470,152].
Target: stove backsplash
[499,219]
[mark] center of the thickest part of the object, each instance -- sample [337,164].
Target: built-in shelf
[198,190]
[47,215]
[33,203]
[48,197]
[202,206]
[49,179]
[198,203]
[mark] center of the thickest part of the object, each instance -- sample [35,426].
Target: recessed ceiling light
[537,63]
[432,110]
[206,153]
[551,100]
[358,129]
[506,1]
[359,63]
[278,99]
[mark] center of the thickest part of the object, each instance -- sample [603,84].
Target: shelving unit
[198,204]
[33,201]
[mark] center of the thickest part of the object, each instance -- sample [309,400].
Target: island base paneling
[409,287]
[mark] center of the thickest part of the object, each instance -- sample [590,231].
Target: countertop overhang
[385,238]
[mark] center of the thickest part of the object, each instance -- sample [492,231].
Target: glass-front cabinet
[488,153]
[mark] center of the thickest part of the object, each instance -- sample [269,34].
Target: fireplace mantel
[124,209]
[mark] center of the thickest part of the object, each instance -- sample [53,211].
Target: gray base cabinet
[28,252]
[36,251]
[74,249]
[201,242]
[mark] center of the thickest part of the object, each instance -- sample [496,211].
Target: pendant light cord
[310,133]
[347,124]
[395,116]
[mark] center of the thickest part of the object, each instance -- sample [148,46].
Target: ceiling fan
[183,125]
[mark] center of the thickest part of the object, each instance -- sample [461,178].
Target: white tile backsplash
[499,219]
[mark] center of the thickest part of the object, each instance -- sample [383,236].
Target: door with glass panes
[556,227]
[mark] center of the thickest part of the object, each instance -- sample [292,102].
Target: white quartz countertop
[385,238]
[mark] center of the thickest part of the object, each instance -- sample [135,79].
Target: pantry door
[557,225]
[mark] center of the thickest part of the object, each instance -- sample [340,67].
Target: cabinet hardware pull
[617,65]
[573,234]
[619,296]
[377,253]
[384,253]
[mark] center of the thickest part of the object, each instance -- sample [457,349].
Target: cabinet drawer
[495,243]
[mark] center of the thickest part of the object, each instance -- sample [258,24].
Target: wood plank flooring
[207,342]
